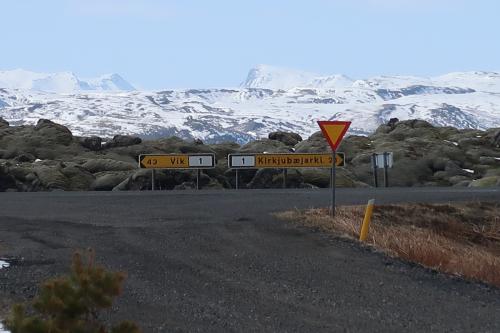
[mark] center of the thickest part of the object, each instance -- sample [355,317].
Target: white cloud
[143,9]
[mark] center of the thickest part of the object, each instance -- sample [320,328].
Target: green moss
[485,182]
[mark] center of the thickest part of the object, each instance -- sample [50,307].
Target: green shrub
[71,304]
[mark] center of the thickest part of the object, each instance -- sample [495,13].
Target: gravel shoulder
[219,261]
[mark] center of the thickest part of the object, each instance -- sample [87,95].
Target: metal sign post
[382,161]
[375,169]
[153,180]
[285,171]
[237,178]
[334,183]
[334,132]
[386,169]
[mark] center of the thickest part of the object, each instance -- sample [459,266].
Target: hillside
[49,157]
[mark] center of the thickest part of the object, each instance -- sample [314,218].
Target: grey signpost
[153,179]
[334,182]
[198,174]
[375,169]
[240,161]
[285,172]
[334,131]
[382,161]
[386,169]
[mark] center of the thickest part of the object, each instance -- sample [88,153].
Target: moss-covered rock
[105,164]
[265,146]
[3,123]
[107,180]
[53,132]
[486,182]
[48,157]
[288,138]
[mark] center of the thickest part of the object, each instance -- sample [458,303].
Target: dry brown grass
[460,239]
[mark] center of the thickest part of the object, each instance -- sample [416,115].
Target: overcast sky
[213,43]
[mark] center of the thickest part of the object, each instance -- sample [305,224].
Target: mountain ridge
[273,77]
[461,99]
[61,82]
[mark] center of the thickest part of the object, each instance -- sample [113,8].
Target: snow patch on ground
[4,264]
[2,328]
[468,170]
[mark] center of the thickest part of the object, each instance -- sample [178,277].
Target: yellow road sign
[177,161]
[261,161]
[334,131]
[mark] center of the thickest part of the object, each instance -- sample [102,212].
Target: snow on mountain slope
[109,82]
[270,77]
[295,103]
[480,81]
[63,82]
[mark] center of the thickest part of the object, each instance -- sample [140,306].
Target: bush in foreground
[72,303]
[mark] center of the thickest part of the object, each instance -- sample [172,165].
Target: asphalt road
[213,261]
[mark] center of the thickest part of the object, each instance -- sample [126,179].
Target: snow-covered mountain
[269,77]
[63,82]
[269,99]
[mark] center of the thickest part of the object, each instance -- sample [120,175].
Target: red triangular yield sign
[334,131]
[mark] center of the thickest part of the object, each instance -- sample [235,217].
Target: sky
[214,43]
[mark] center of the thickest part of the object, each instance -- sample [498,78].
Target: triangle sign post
[334,132]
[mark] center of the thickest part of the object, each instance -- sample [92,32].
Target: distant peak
[111,76]
[272,77]
[61,82]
